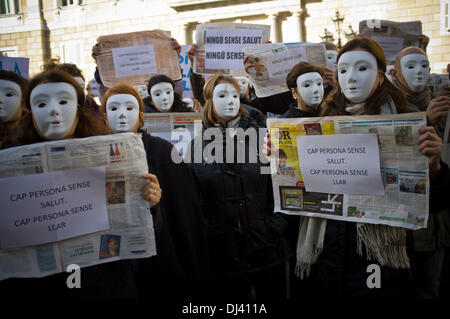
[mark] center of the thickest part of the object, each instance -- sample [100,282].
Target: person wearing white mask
[340,269]
[179,230]
[12,87]
[162,97]
[412,75]
[248,249]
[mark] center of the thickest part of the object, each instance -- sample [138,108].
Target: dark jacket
[182,254]
[244,234]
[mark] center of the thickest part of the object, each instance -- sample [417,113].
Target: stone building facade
[40,29]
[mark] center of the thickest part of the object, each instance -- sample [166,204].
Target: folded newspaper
[392,36]
[220,46]
[79,217]
[404,171]
[273,62]
[134,57]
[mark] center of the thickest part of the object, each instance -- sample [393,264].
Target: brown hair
[208,117]
[299,69]
[336,101]
[88,123]
[72,69]
[123,88]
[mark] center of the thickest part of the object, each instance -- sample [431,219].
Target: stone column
[186,34]
[275,35]
[299,19]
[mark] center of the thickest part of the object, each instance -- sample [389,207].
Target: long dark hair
[178,104]
[336,102]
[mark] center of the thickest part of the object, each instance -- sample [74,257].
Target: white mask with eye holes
[162,96]
[122,111]
[415,71]
[10,99]
[243,84]
[310,88]
[226,101]
[357,74]
[54,109]
[331,59]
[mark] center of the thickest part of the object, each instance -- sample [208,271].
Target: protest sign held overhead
[134,57]
[220,46]
[18,65]
[81,197]
[403,170]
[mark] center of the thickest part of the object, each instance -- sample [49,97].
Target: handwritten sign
[52,206]
[18,65]
[340,164]
[135,60]
[224,48]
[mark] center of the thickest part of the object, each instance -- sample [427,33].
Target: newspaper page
[225,42]
[392,36]
[273,62]
[404,171]
[130,234]
[176,128]
[134,57]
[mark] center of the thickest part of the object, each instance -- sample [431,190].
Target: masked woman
[347,249]
[56,102]
[12,87]
[162,96]
[247,244]
[181,260]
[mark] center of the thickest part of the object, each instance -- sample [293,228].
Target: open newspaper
[134,57]
[220,46]
[130,232]
[404,171]
[176,128]
[273,62]
[392,36]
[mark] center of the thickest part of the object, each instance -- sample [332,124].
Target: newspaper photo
[273,62]
[134,57]
[403,170]
[176,128]
[220,46]
[392,36]
[86,192]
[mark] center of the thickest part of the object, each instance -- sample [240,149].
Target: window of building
[9,6]
[9,51]
[66,3]
[445,16]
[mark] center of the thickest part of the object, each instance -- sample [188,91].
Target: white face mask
[142,90]
[415,71]
[226,101]
[310,88]
[243,84]
[10,98]
[123,112]
[80,81]
[331,59]
[162,96]
[189,102]
[54,109]
[388,71]
[357,73]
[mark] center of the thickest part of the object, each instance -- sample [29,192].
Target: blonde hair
[208,117]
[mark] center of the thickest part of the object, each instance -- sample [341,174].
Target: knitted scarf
[385,244]
[418,101]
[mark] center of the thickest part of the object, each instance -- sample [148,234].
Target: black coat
[244,234]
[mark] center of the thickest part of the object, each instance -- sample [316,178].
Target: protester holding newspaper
[181,260]
[246,240]
[12,86]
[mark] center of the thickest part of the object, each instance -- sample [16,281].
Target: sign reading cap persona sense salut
[53,206]
[340,164]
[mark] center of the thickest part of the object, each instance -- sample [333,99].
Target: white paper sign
[135,60]
[53,206]
[18,65]
[280,63]
[224,48]
[340,164]
[391,46]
